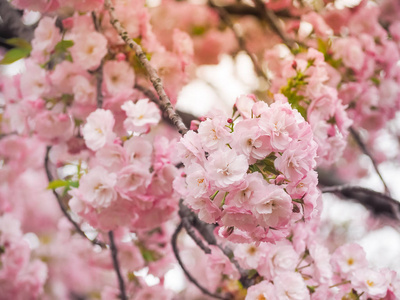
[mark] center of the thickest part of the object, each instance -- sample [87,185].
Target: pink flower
[139,151]
[118,77]
[89,49]
[226,168]
[213,134]
[47,35]
[296,161]
[280,123]
[349,258]
[141,115]
[34,81]
[350,51]
[197,182]
[373,283]
[99,129]
[274,208]
[132,179]
[291,286]
[244,105]
[53,127]
[84,91]
[97,188]
[263,290]
[250,140]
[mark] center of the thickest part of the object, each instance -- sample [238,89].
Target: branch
[165,103]
[365,150]
[11,24]
[190,221]
[381,204]
[63,208]
[187,118]
[114,253]
[247,10]
[99,71]
[273,22]
[188,275]
[241,41]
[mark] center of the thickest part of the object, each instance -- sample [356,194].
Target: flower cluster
[131,180]
[20,277]
[254,175]
[309,84]
[286,272]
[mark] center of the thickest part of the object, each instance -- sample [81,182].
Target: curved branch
[165,103]
[379,202]
[273,21]
[241,41]
[64,209]
[190,221]
[174,240]
[187,118]
[365,150]
[114,255]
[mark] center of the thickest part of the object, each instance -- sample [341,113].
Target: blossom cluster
[20,276]
[252,175]
[313,273]
[128,183]
[309,83]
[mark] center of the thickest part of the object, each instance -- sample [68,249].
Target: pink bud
[120,56]
[38,104]
[62,117]
[230,121]
[117,141]
[294,65]
[68,23]
[194,125]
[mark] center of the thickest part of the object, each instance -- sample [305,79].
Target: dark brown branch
[365,150]
[174,243]
[99,71]
[11,24]
[241,41]
[165,103]
[186,117]
[240,9]
[273,21]
[379,203]
[190,221]
[190,231]
[114,255]
[63,208]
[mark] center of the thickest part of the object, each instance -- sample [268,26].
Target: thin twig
[365,150]
[99,82]
[165,103]
[273,22]
[191,221]
[239,37]
[190,231]
[188,275]
[365,194]
[114,255]
[99,71]
[64,209]
[148,93]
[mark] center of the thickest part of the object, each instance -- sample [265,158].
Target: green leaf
[63,45]
[57,183]
[19,43]
[14,55]
[60,183]
[74,184]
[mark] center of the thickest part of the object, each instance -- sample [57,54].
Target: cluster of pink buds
[252,173]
